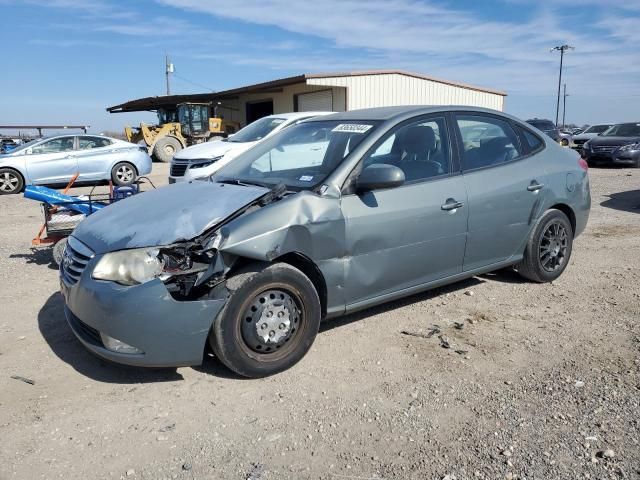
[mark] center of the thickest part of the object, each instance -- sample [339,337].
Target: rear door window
[487,141]
[87,143]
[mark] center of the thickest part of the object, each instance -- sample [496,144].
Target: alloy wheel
[553,246]
[125,174]
[9,182]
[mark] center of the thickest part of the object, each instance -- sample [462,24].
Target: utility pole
[562,49]
[168,71]
[564,106]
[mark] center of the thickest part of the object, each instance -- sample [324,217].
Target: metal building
[329,91]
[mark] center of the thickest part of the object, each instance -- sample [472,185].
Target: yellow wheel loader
[188,124]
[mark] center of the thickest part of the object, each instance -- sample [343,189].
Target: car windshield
[257,130]
[300,157]
[623,130]
[597,129]
[24,146]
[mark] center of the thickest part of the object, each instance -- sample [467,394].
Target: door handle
[535,186]
[451,204]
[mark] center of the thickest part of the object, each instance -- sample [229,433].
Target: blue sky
[64,61]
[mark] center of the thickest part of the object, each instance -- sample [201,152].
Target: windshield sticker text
[306,178]
[351,128]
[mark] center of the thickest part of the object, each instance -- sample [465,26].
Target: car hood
[585,136]
[164,216]
[604,141]
[210,150]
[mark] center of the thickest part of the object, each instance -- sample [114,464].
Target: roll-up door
[316,101]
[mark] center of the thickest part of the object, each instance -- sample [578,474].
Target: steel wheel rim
[9,182]
[553,247]
[124,174]
[169,149]
[271,321]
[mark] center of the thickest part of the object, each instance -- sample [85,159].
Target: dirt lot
[540,382]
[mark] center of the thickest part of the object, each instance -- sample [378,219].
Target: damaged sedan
[330,216]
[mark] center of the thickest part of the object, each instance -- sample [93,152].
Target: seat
[420,153]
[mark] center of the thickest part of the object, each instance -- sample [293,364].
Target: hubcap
[270,321]
[169,149]
[124,174]
[553,247]
[9,182]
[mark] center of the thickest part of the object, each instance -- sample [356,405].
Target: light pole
[562,49]
[168,71]
[564,106]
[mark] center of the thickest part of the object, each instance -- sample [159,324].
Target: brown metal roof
[170,101]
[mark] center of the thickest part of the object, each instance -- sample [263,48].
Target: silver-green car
[396,201]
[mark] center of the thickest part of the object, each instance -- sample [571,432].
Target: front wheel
[10,181]
[123,174]
[165,149]
[548,249]
[269,321]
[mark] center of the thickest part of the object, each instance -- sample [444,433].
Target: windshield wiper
[244,183]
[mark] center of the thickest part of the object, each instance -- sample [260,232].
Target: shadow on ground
[63,343]
[54,329]
[625,201]
[38,256]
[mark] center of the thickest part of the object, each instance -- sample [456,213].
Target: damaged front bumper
[167,332]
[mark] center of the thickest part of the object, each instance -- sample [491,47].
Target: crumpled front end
[136,325]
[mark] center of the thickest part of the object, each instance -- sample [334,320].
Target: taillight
[583,164]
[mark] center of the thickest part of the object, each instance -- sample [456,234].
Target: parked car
[55,160]
[204,159]
[618,145]
[579,140]
[547,127]
[405,199]
[565,138]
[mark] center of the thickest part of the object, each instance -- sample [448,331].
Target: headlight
[205,163]
[129,267]
[631,146]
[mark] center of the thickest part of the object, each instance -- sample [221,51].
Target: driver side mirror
[378,176]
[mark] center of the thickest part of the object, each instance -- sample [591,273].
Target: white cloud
[445,40]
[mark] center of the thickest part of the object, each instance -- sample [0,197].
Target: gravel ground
[539,382]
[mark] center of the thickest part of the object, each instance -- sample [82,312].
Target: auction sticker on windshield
[352,128]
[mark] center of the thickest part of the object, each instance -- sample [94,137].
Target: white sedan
[204,159]
[55,160]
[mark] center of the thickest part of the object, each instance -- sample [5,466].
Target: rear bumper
[170,333]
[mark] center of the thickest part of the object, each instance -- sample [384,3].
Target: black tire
[58,251]
[548,249]
[10,181]
[123,174]
[256,293]
[166,148]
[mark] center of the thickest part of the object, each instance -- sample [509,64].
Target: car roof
[401,111]
[294,115]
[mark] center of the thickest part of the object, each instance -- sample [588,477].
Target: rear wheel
[166,148]
[123,174]
[10,181]
[269,322]
[548,249]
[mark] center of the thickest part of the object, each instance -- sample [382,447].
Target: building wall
[282,101]
[382,90]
